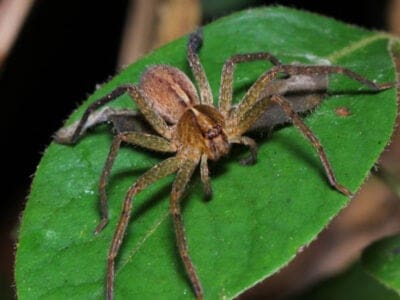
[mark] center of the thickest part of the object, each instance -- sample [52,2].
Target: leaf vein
[151,230]
[357,45]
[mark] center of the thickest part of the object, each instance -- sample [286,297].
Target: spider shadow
[239,152]
[142,208]
[221,167]
[297,149]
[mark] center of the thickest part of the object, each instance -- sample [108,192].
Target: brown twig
[394,16]
[152,23]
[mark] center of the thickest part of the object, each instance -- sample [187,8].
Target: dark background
[64,49]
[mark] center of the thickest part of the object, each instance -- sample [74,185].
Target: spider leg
[157,172]
[244,140]
[238,125]
[151,116]
[184,173]
[226,85]
[145,140]
[313,140]
[194,44]
[81,126]
[256,90]
[303,92]
[205,177]
[156,121]
[105,114]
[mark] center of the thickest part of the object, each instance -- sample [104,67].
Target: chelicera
[187,124]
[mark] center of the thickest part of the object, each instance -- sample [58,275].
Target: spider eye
[213,132]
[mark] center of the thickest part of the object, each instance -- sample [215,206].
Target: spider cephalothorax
[202,128]
[187,123]
[173,96]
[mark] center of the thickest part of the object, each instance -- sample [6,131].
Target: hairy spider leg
[145,140]
[256,90]
[194,44]
[249,142]
[205,177]
[251,107]
[157,122]
[92,107]
[298,122]
[182,178]
[260,106]
[160,170]
[225,93]
[226,85]
[141,139]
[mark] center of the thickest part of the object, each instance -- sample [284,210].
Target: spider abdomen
[203,127]
[169,91]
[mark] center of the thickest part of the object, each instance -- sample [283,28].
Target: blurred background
[54,53]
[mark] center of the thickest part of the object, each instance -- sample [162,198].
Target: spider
[188,124]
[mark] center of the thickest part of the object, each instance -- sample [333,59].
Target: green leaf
[354,283]
[382,260]
[259,216]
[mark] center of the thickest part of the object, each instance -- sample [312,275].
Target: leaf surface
[354,283]
[382,261]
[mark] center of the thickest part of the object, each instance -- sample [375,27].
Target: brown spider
[189,125]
